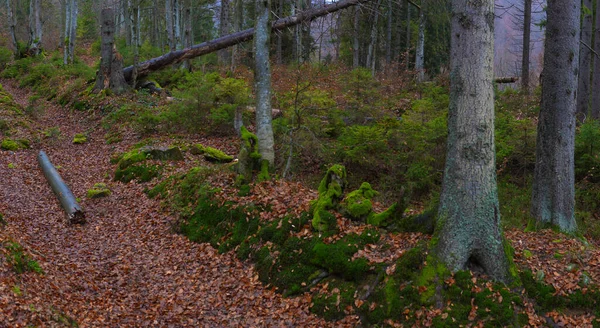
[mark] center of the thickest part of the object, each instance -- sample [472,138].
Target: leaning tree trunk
[175,57]
[262,73]
[526,46]
[596,74]
[585,58]
[554,178]
[110,74]
[468,224]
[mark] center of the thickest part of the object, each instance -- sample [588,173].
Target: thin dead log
[510,79]
[223,42]
[74,212]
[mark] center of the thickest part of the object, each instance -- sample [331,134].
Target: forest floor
[126,267]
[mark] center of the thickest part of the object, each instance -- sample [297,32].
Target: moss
[99,190]
[513,278]
[142,173]
[2,220]
[113,137]
[13,145]
[431,277]
[250,140]
[332,305]
[331,190]
[211,154]
[264,171]
[80,138]
[358,203]
[378,219]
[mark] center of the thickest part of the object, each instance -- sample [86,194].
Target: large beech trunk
[204,48]
[74,212]
[468,225]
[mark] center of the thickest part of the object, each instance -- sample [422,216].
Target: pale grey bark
[407,37]
[70,31]
[177,24]
[468,223]
[595,108]
[169,25]
[371,48]
[188,37]
[12,23]
[554,179]
[585,59]
[264,128]
[526,46]
[238,20]
[35,27]
[134,9]
[420,50]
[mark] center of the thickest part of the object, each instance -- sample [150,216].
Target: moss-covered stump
[331,190]
[358,206]
[249,159]
[98,191]
[211,154]
[13,145]
[80,138]
[131,165]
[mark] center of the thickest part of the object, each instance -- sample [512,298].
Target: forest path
[124,268]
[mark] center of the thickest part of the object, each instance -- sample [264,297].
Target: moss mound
[80,138]
[13,145]
[98,191]
[211,154]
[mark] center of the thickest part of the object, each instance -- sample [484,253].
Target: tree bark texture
[224,29]
[420,50]
[553,199]
[262,76]
[595,108]
[407,36]
[12,23]
[371,48]
[355,40]
[110,74]
[68,202]
[35,27]
[526,45]
[468,223]
[204,48]
[585,59]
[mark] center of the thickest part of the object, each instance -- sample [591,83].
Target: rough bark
[595,108]
[585,59]
[68,202]
[169,25]
[174,57]
[35,28]
[371,49]
[262,76]
[420,50]
[554,179]
[468,226]
[12,23]
[67,32]
[110,74]
[73,30]
[526,46]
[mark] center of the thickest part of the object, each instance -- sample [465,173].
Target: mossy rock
[211,154]
[142,173]
[13,145]
[171,153]
[80,138]
[98,191]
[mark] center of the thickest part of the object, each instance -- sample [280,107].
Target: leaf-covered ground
[126,267]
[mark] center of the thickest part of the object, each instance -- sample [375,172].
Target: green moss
[431,277]
[264,171]
[332,305]
[19,260]
[251,142]
[358,203]
[142,173]
[379,219]
[13,145]
[331,190]
[211,154]
[80,138]
[98,191]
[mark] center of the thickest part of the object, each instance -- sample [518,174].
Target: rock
[162,153]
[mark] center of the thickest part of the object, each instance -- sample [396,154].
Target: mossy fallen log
[74,212]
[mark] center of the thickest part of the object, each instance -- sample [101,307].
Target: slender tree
[585,59]
[526,45]
[468,225]
[420,50]
[262,76]
[12,23]
[595,108]
[35,27]
[553,199]
[224,29]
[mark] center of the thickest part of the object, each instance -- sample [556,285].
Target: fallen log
[223,42]
[74,212]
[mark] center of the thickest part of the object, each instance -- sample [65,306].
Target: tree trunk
[526,45]
[127,20]
[262,76]
[207,47]
[35,28]
[371,49]
[554,179]
[468,223]
[420,51]
[355,40]
[169,25]
[188,37]
[110,74]
[72,30]
[224,30]
[596,75]
[12,23]
[238,21]
[134,9]
[68,202]
[388,34]
[67,32]
[585,58]
[279,45]
[407,36]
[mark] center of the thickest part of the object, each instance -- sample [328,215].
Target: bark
[585,58]
[178,56]
[468,223]
[68,202]
[188,37]
[127,21]
[110,74]
[420,51]
[67,32]
[595,108]
[169,25]
[407,37]
[224,29]
[554,179]
[35,28]
[237,26]
[135,43]
[279,45]
[371,49]
[526,46]
[355,40]
[388,34]
[72,31]
[262,73]
[12,23]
